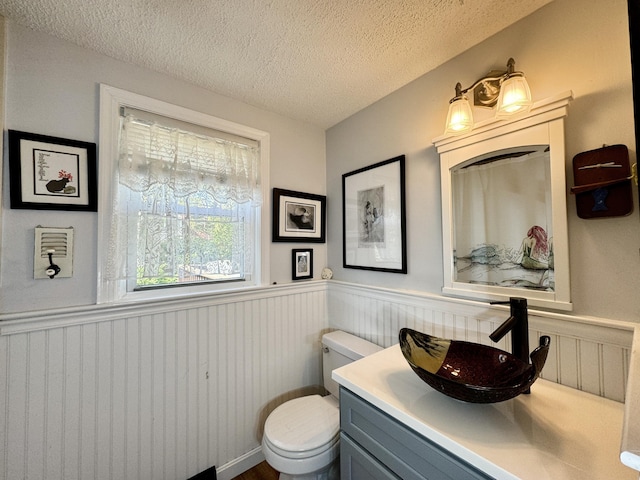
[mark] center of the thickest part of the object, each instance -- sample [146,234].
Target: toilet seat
[303,427]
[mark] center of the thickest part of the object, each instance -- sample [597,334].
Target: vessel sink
[468,371]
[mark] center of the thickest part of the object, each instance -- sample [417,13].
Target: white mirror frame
[543,125]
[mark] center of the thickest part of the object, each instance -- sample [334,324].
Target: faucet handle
[518,305]
[512,301]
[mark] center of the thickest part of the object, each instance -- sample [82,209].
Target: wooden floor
[262,471]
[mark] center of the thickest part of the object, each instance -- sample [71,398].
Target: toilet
[301,436]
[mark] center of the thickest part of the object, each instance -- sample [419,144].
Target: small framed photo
[374,218]
[298,216]
[301,263]
[51,173]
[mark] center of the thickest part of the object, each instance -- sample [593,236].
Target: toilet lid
[303,424]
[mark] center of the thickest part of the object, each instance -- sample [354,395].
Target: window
[183,203]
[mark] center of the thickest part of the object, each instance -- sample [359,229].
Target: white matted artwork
[51,173]
[374,233]
[301,263]
[298,216]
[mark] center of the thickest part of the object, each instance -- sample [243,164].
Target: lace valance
[187,163]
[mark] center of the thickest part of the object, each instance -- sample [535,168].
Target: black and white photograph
[371,221]
[374,232]
[301,264]
[298,216]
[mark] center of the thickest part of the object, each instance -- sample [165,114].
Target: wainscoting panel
[167,390]
[590,354]
[154,393]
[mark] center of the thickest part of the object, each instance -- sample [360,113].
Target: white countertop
[555,433]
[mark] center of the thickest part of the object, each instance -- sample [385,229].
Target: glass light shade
[459,118]
[515,97]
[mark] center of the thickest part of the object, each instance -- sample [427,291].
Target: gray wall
[53,89]
[578,45]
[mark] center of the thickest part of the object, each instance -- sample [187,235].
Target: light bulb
[515,97]
[459,118]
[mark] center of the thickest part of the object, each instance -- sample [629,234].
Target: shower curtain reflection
[502,219]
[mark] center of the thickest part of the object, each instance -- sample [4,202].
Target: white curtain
[167,179]
[152,154]
[497,203]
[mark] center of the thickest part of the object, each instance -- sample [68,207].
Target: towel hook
[53,269]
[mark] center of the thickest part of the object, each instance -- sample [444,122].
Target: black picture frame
[298,216]
[52,173]
[374,217]
[301,263]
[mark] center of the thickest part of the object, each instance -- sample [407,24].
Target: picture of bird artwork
[52,173]
[56,173]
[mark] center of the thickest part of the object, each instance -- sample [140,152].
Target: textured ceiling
[318,61]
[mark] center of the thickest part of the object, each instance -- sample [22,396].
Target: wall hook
[53,269]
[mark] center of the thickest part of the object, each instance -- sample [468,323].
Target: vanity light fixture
[459,118]
[508,89]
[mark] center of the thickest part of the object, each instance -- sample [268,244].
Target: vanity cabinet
[374,445]
[396,426]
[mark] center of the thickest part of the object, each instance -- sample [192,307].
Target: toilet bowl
[301,436]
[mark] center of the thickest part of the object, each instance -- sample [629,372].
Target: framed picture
[298,216]
[51,173]
[301,264]
[373,216]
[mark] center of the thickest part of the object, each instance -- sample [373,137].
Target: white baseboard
[240,465]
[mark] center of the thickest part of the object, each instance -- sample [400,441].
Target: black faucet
[518,324]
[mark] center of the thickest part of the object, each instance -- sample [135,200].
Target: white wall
[52,89]
[578,45]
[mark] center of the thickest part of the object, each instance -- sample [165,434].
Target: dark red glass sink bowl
[471,372]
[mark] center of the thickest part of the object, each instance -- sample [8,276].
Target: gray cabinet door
[403,451]
[357,464]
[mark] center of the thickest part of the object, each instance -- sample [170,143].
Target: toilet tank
[341,348]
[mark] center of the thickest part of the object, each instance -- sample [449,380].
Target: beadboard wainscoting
[166,390]
[590,354]
[160,391]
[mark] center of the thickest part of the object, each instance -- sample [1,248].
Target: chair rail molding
[25,322]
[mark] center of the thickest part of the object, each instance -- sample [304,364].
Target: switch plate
[60,240]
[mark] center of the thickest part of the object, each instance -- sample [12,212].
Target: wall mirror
[504,209]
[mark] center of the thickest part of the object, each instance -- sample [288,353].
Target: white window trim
[111,100]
